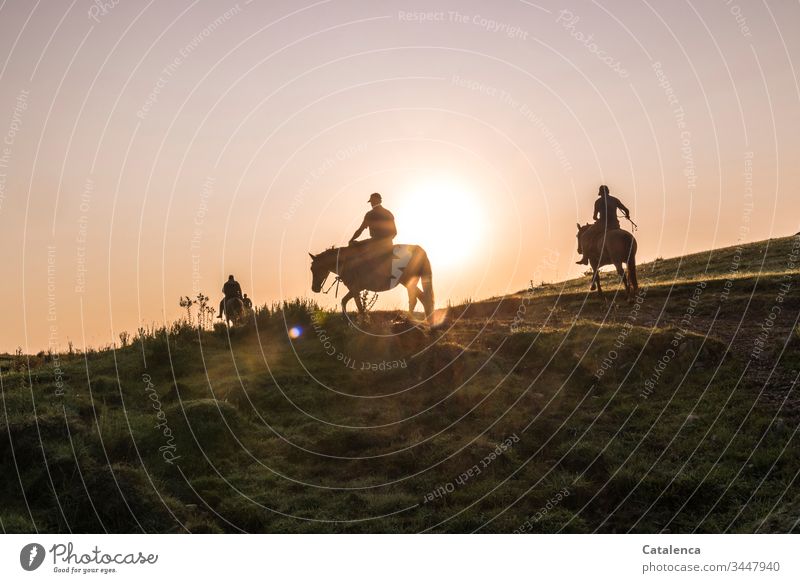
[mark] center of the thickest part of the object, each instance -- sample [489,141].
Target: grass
[353,429]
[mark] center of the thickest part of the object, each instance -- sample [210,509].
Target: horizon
[149,152]
[149,328]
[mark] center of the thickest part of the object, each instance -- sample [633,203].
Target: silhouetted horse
[234,310]
[409,264]
[616,247]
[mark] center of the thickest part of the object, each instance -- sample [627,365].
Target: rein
[336,283]
[634,225]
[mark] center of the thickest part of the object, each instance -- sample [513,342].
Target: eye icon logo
[31,556]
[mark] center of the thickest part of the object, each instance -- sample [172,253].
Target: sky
[151,149]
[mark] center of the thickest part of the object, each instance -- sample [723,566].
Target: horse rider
[248,303]
[231,289]
[375,253]
[379,221]
[605,217]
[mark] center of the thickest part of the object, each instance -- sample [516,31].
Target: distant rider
[605,217]
[248,303]
[231,289]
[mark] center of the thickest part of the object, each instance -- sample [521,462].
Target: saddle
[377,262]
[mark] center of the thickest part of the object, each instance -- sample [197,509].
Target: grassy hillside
[546,411]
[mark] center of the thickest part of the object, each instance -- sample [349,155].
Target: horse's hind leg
[630,282]
[621,273]
[426,297]
[413,293]
[624,278]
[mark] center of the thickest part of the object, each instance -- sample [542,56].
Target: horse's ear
[312,255]
[578,225]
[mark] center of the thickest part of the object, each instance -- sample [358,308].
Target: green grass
[272,435]
[765,259]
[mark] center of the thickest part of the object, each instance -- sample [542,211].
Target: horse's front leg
[596,277]
[359,303]
[346,298]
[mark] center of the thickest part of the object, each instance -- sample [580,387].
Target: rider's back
[381,223]
[231,289]
[605,208]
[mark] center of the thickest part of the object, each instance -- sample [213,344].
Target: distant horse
[234,310]
[616,247]
[409,264]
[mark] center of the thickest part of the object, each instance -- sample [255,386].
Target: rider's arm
[596,214]
[360,230]
[624,209]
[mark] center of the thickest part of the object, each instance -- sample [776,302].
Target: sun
[443,216]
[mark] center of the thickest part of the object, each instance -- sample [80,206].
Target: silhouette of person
[376,252]
[231,289]
[248,303]
[379,221]
[605,216]
[605,209]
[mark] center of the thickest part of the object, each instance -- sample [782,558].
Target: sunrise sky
[150,149]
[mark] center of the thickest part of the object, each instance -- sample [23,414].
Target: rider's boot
[583,261]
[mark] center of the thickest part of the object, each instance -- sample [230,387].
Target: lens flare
[295,332]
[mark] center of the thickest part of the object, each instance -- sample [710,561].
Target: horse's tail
[632,265]
[426,274]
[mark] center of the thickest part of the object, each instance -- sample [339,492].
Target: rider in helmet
[231,289]
[605,216]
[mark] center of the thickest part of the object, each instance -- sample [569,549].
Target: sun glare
[442,216]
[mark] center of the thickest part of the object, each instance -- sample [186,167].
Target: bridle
[335,283]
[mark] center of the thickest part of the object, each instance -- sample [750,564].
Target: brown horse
[615,247]
[409,264]
[234,310]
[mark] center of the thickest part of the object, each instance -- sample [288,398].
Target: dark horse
[409,264]
[234,310]
[616,247]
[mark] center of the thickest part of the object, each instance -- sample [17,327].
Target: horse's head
[581,229]
[320,269]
